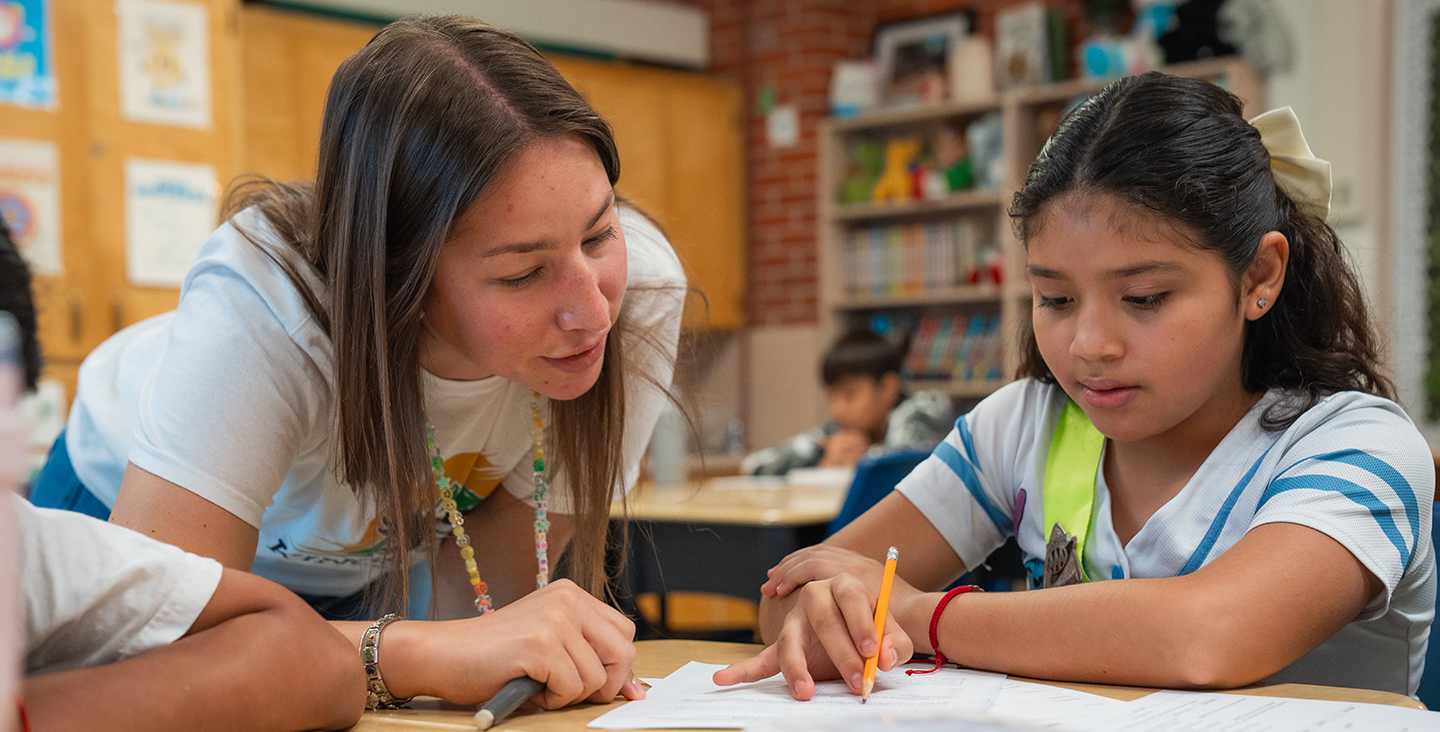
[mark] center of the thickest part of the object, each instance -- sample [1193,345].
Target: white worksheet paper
[688,699]
[1181,711]
[1042,705]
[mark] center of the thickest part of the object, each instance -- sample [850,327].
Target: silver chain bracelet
[377,695]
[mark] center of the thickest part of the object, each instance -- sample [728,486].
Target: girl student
[442,359]
[1201,463]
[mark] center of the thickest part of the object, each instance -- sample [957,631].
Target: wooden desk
[718,535]
[734,501]
[659,658]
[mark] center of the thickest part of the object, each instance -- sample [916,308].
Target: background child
[1240,472]
[870,413]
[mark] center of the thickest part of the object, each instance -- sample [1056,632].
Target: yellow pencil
[882,606]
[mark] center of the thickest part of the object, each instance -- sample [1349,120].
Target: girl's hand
[828,634]
[579,647]
[819,562]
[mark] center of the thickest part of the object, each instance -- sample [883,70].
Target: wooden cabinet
[92,298]
[679,136]
[869,268]
[682,160]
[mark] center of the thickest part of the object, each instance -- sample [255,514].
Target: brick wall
[791,46]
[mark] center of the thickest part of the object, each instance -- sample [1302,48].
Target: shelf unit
[1020,110]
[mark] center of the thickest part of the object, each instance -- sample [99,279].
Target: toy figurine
[952,159]
[867,160]
[895,183]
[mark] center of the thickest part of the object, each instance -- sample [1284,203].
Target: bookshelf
[947,270]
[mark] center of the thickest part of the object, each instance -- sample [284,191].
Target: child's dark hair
[15,298]
[860,353]
[1180,148]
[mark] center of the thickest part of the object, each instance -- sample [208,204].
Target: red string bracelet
[935,627]
[24,720]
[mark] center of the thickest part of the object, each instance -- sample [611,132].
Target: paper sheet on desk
[1042,705]
[1183,711]
[688,699]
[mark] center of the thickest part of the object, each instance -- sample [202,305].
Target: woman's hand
[579,647]
[828,634]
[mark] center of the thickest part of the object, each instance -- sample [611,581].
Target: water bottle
[667,447]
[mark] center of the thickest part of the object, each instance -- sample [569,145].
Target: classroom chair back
[1429,691]
[874,479]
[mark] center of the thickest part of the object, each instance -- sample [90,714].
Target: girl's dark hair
[417,124]
[16,299]
[1181,149]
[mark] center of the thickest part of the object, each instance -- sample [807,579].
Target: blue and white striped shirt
[1352,467]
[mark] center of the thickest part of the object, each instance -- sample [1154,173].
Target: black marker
[500,706]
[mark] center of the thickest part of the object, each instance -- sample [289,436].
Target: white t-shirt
[97,593]
[1353,467]
[230,397]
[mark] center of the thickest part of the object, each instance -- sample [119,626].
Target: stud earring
[1261,302]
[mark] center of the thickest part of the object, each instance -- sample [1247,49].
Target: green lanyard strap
[1070,472]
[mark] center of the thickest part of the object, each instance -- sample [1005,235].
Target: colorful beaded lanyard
[457,521]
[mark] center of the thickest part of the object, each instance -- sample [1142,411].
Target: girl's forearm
[1133,632]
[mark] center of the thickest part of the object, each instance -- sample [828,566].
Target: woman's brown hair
[1179,148]
[417,124]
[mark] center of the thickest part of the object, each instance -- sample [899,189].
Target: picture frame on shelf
[914,58]
[1022,46]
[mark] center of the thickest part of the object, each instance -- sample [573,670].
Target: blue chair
[874,479]
[1429,691]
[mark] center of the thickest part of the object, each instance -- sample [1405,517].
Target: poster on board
[164,62]
[169,211]
[27,60]
[30,201]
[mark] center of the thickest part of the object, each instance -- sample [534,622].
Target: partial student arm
[1235,621]
[170,513]
[257,658]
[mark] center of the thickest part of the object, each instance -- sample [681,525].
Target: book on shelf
[956,348]
[908,260]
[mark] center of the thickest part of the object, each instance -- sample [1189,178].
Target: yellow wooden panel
[287,61]
[682,160]
[114,139]
[706,202]
[64,330]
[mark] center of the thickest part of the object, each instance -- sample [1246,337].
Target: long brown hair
[1179,148]
[417,124]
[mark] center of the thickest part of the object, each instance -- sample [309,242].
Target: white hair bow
[1304,177]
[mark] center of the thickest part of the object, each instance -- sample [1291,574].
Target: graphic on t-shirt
[476,475]
[477,478]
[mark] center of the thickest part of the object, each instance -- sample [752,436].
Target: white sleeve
[238,393]
[1361,474]
[654,302]
[97,593]
[968,486]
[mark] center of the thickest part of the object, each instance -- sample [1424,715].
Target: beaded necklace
[457,521]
